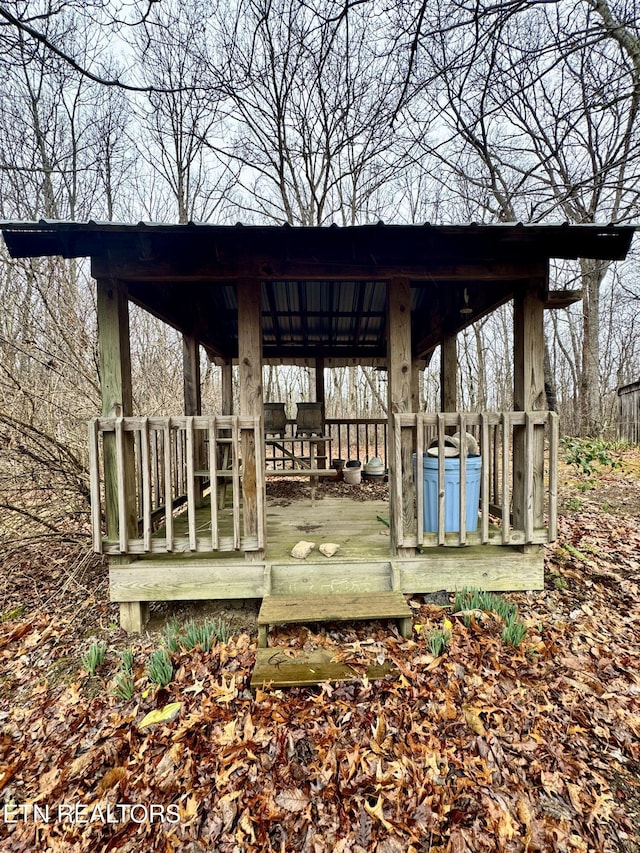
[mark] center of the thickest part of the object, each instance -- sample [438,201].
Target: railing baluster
[168,485]
[419,484]
[441,480]
[145,469]
[123,533]
[155,483]
[496,462]
[397,510]
[260,484]
[139,475]
[94,472]
[528,479]
[506,471]
[553,476]
[213,482]
[462,431]
[191,483]
[235,479]
[484,484]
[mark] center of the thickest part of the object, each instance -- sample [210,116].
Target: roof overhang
[323,289]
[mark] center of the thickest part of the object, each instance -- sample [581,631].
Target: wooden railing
[350,438]
[358,438]
[515,501]
[150,478]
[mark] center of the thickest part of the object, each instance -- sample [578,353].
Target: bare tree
[309,109]
[53,155]
[543,122]
[179,125]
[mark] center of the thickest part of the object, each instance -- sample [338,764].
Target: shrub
[160,668]
[514,632]
[94,657]
[124,685]
[589,455]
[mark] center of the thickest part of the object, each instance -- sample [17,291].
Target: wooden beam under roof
[304,269]
[562,298]
[449,321]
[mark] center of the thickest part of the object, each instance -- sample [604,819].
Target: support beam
[115,385]
[117,401]
[227,388]
[193,398]
[529,395]
[191,375]
[251,403]
[113,343]
[400,400]
[449,373]
[417,377]
[321,449]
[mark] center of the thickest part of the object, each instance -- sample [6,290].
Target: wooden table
[307,463]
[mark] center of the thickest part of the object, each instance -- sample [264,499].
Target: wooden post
[191,373]
[417,376]
[115,384]
[528,395]
[399,389]
[224,452]
[227,388]
[193,400]
[251,403]
[321,449]
[117,401]
[449,375]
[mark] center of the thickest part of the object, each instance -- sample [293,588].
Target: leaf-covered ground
[481,749]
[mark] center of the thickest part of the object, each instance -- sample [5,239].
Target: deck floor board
[353,525]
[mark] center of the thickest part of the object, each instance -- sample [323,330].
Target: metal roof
[323,289]
[562,240]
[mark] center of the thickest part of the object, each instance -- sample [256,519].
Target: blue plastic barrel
[451,493]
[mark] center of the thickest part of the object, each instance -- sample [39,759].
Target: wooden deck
[353,525]
[156,463]
[362,565]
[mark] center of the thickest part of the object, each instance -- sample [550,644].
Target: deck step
[298,668]
[351,607]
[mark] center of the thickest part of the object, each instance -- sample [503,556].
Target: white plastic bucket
[352,476]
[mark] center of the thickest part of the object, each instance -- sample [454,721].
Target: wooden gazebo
[178,503]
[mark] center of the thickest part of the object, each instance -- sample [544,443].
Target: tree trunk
[590,393]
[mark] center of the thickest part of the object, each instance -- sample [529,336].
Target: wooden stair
[351,607]
[381,599]
[296,668]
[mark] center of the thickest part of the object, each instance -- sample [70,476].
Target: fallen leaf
[292,800]
[377,811]
[196,688]
[111,778]
[161,715]
[473,720]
